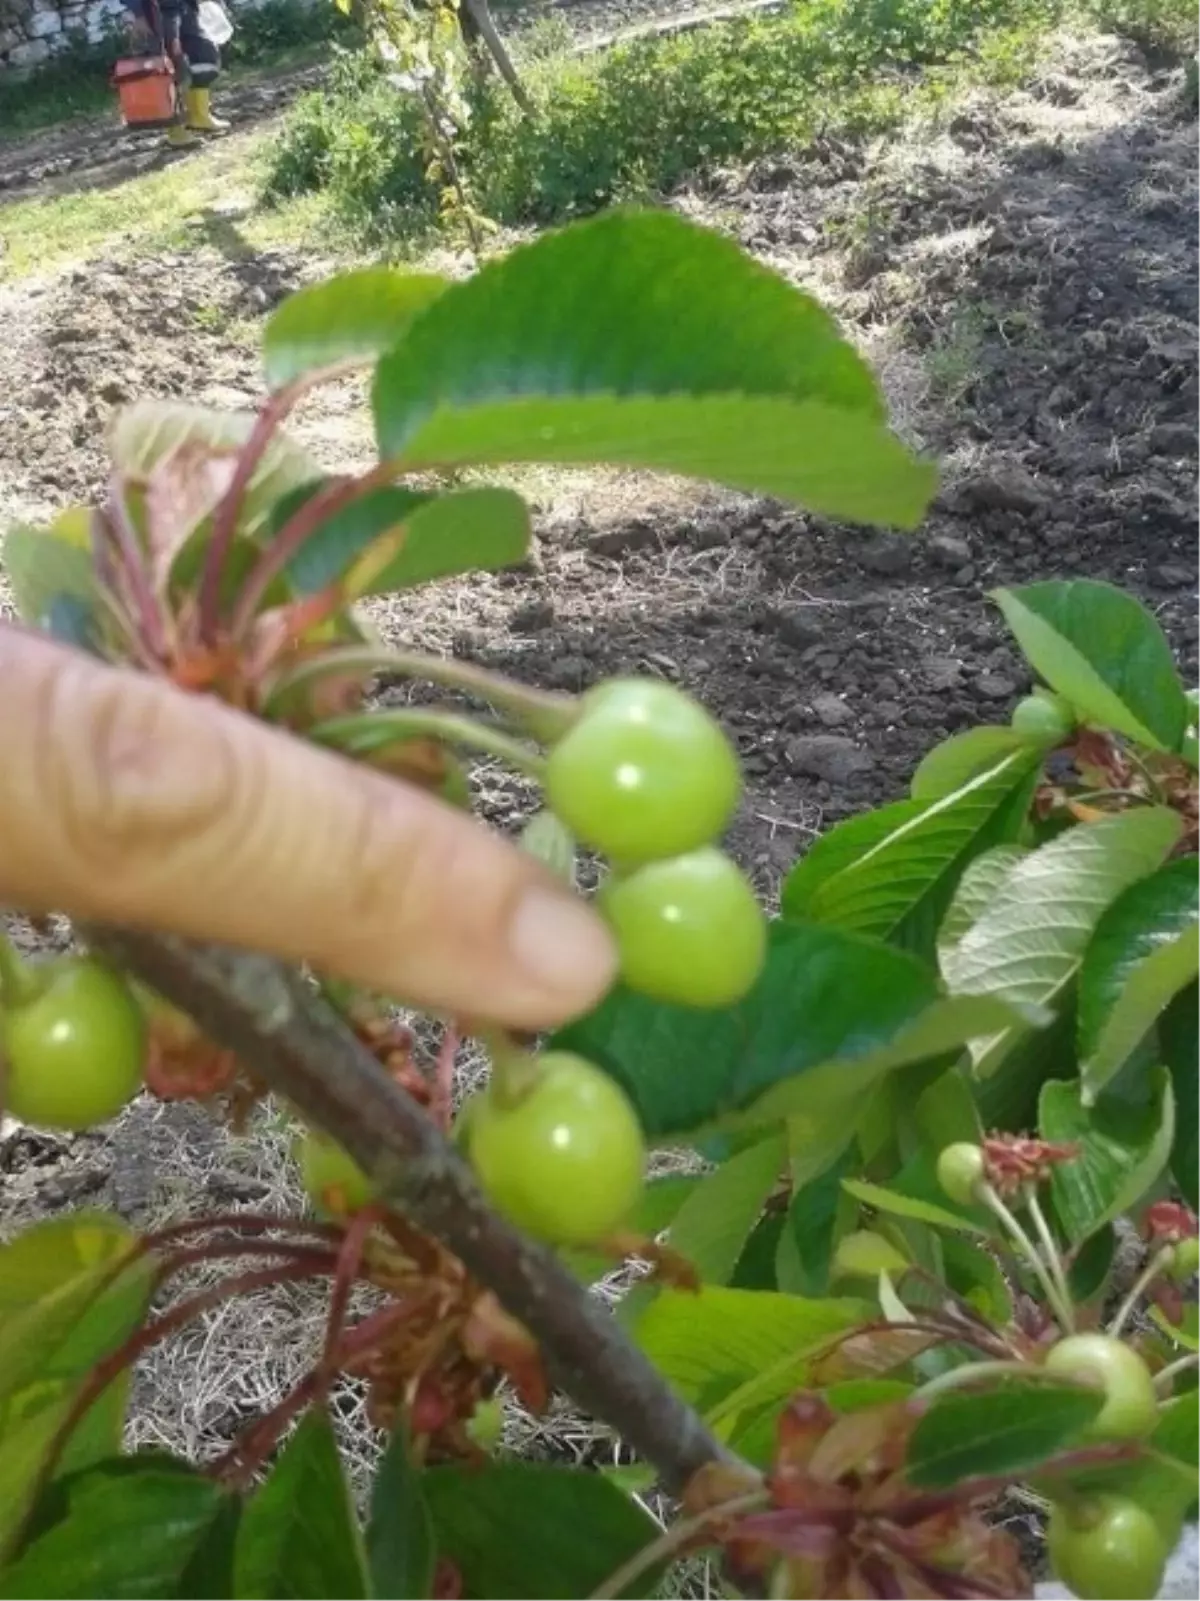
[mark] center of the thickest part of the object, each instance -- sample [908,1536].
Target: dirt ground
[1025,277]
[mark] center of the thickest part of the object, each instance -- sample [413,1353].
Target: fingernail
[561,944]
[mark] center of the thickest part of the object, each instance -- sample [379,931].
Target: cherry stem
[363,733]
[674,1539]
[543,715]
[1157,1264]
[441,1107]
[255,1444]
[316,1255]
[247,1222]
[1052,1257]
[299,528]
[969,1372]
[349,1262]
[1025,1247]
[514,1070]
[132,571]
[1165,1377]
[225,519]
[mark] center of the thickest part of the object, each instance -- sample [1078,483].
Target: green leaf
[1179,1040]
[395,538]
[330,553]
[911,1207]
[756,1266]
[45,566]
[939,1032]
[299,1536]
[46,1256]
[525,1529]
[817,1212]
[1008,1430]
[1123,1149]
[962,757]
[125,1533]
[146,431]
[715,1220]
[29,1422]
[1177,1432]
[835,463]
[468,530]
[62,1308]
[1089,1268]
[401,1551]
[973,1272]
[975,893]
[72,1320]
[721,1338]
[1027,946]
[830,1014]
[1145,949]
[638,339]
[895,883]
[946,1113]
[1103,651]
[347,320]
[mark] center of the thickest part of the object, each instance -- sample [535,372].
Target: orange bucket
[145,86]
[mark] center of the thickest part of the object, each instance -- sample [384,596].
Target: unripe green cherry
[1107,1549]
[332,1179]
[486,1427]
[1130,1409]
[644,773]
[74,1043]
[961,1171]
[564,1158]
[1043,717]
[689,930]
[1185,1260]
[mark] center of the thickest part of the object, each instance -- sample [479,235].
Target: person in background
[179,26]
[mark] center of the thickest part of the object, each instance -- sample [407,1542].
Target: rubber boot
[179,138]
[199,113]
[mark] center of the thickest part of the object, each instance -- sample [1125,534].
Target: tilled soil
[1025,277]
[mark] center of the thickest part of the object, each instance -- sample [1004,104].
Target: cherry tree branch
[283,1030]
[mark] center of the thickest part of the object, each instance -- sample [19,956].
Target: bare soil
[1025,276]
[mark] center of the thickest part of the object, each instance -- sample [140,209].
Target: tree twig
[279,1026]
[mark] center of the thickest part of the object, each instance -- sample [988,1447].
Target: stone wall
[31,31]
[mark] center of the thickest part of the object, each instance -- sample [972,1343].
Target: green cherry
[75,1045]
[644,773]
[1130,1409]
[565,1159]
[689,930]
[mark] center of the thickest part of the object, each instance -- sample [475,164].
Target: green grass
[640,118]
[168,209]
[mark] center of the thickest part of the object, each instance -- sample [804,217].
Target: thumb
[124,800]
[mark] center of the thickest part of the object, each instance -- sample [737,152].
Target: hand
[124,800]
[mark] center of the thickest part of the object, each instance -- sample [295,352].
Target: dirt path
[1025,276]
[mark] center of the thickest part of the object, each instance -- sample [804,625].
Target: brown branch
[301,1049]
[481,16]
